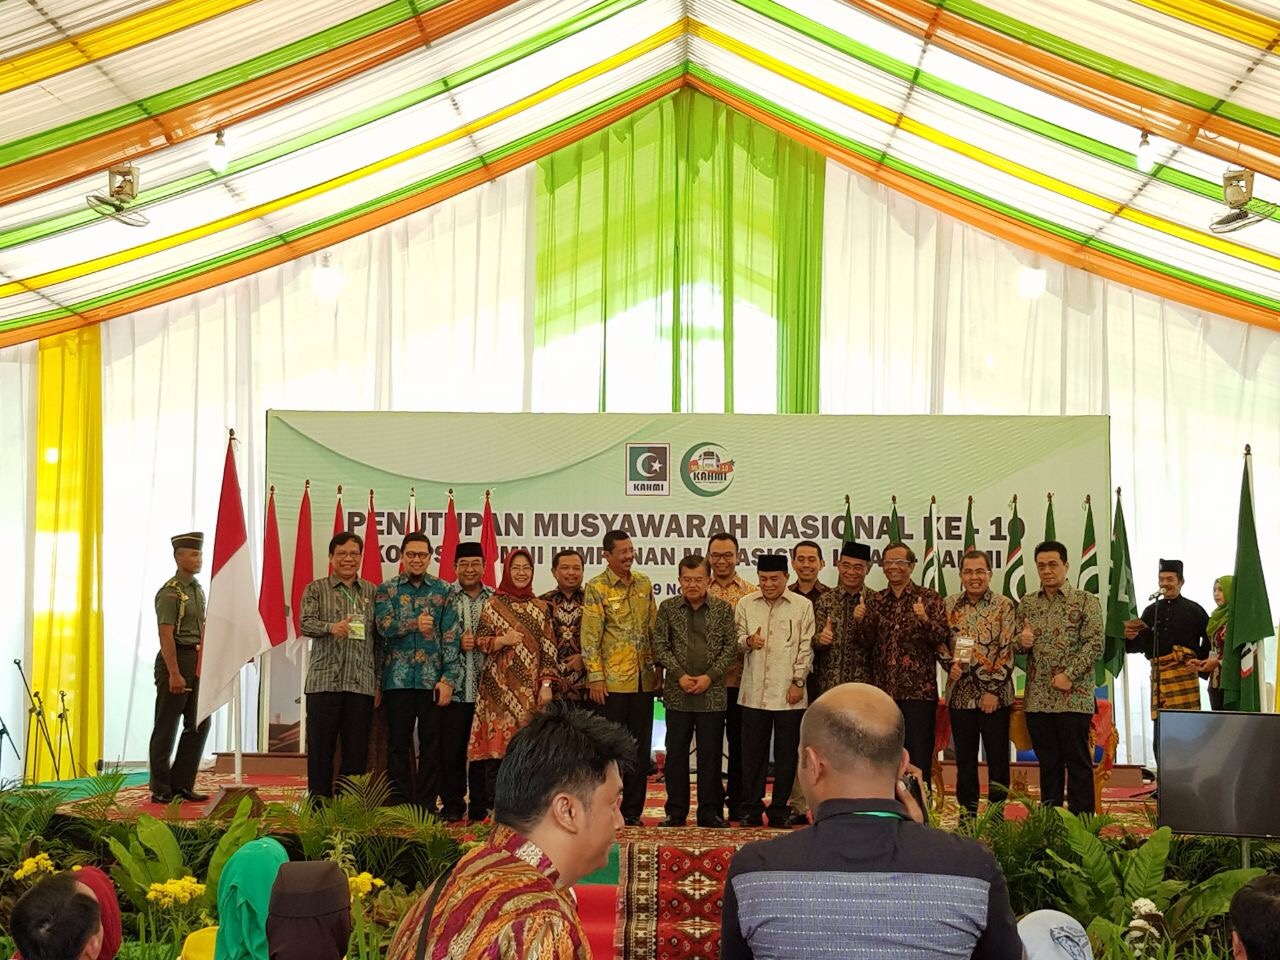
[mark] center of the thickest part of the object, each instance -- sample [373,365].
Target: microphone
[1156,596]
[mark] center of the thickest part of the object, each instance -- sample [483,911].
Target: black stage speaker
[1218,773]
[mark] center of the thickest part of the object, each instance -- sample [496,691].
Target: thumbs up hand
[756,641]
[860,610]
[920,611]
[1028,637]
[827,636]
[342,627]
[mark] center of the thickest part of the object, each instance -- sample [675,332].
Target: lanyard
[352,597]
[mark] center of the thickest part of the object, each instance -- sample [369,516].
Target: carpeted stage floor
[659,896]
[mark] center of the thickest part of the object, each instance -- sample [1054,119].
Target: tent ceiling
[1018,115]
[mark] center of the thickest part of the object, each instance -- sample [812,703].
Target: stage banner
[671,480]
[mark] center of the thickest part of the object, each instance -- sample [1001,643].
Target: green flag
[847,536]
[1015,578]
[895,526]
[1250,620]
[1088,578]
[1121,604]
[1050,530]
[933,575]
[970,531]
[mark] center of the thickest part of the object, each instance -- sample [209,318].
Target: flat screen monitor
[1218,772]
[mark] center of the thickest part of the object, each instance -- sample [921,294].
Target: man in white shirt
[775,629]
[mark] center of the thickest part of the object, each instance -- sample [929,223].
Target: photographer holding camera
[869,875]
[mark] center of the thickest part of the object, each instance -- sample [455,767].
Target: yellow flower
[362,884]
[40,863]
[181,890]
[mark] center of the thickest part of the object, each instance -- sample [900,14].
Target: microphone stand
[4,732]
[37,713]
[1157,691]
[64,724]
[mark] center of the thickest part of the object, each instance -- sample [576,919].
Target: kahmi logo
[707,469]
[648,469]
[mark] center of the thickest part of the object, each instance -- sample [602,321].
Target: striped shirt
[340,664]
[865,882]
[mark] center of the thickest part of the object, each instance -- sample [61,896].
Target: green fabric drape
[675,250]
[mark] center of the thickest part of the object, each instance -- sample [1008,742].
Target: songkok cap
[310,888]
[859,551]
[771,563]
[188,541]
[1171,566]
[468,548]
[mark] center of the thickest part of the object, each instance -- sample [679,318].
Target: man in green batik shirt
[180,619]
[1062,637]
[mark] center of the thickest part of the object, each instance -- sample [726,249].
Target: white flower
[1144,907]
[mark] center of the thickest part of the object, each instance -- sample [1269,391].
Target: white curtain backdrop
[431,317]
[17,487]
[923,314]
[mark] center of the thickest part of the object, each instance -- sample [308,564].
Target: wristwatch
[797,681]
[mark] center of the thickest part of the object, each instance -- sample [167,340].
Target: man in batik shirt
[980,680]
[840,650]
[618,615]
[419,672]
[726,585]
[909,634]
[1062,633]
[557,815]
[462,618]
[565,603]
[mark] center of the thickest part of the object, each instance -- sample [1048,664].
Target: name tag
[355,630]
[964,649]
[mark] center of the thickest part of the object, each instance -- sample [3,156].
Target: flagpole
[238,731]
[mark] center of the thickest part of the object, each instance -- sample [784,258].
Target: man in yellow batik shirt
[618,616]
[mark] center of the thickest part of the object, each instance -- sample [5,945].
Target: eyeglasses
[726,555]
[895,563]
[416,554]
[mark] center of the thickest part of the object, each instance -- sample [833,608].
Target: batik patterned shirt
[412,660]
[674,648]
[566,623]
[504,901]
[617,632]
[990,623]
[904,649]
[847,659]
[462,615]
[1068,639]
[731,593]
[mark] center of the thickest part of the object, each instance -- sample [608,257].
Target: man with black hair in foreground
[868,875]
[557,813]
[57,919]
[1255,919]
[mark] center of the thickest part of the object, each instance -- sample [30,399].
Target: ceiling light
[219,154]
[1032,282]
[1145,158]
[327,280]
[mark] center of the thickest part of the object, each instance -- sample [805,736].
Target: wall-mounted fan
[122,190]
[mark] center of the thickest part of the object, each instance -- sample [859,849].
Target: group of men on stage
[732,660]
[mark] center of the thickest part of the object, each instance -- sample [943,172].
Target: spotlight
[327,280]
[219,154]
[1032,283]
[1144,159]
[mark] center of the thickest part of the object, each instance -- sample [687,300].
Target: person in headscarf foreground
[244,892]
[557,813]
[310,913]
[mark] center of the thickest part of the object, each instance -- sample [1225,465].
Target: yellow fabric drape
[67,597]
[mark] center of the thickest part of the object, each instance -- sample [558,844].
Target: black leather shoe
[798,820]
[672,822]
[190,796]
[164,798]
[715,823]
[755,820]
[632,822]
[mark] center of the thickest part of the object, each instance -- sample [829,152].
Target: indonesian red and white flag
[234,633]
[271,606]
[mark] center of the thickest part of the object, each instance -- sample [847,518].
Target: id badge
[355,629]
[964,649]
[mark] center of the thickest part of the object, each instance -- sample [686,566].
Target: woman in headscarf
[310,914]
[244,893]
[1216,630]
[519,668]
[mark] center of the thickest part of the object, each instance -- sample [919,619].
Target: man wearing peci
[180,613]
[462,617]
[342,680]
[1062,635]
[695,643]
[775,631]
[420,670]
[618,616]
[726,585]
[907,626]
